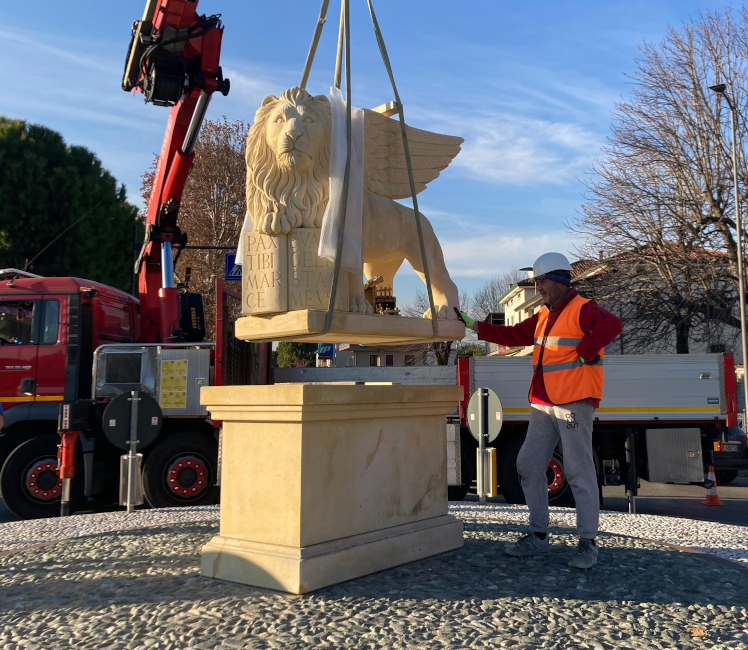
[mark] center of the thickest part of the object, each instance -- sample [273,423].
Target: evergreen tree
[296,355]
[45,186]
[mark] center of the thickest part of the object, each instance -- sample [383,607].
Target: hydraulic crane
[102,344]
[173,60]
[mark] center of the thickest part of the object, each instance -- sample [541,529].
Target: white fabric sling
[247,226]
[352,241]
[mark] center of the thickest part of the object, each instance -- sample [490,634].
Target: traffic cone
[712,498]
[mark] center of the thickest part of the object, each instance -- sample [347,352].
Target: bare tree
[486,299]
[441,351]
[659,208]
[213,206]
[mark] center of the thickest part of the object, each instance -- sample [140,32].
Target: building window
[389,359]
[373,360]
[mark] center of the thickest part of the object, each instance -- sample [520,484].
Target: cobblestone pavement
[723,540]
[142,589]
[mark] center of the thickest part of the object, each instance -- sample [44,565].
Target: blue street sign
[233,270]
[325,349]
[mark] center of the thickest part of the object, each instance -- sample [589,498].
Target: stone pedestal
[325,483]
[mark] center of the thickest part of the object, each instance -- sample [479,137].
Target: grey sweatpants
[573,424]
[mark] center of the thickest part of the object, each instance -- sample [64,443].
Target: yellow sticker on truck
[173,385]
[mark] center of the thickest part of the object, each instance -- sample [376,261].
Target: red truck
[80,344]
[73,341]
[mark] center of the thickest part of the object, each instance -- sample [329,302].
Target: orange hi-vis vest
[566,377]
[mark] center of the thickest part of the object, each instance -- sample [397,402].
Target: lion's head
[288,162]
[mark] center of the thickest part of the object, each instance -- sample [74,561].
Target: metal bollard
[632,480]
[132,465]
[482,435]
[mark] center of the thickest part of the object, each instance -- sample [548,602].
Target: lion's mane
[301,193]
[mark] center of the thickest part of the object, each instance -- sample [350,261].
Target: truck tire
[29,482]
[726,476]
[559,495]
[181,471]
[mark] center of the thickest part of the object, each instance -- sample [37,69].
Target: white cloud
[494,250]
[37,44]
[514,150]
[475,249]
[249,88]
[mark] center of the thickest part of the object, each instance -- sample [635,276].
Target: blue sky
[530,86]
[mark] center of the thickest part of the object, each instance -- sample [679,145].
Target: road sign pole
[482,433]
[484,419]
[132,464]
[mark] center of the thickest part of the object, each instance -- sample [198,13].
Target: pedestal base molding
[300,570]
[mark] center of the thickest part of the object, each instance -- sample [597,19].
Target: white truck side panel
[637,387]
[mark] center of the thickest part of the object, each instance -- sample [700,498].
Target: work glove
[469,322]
[590,362]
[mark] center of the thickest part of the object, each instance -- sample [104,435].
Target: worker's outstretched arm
[600,327]
[518,335]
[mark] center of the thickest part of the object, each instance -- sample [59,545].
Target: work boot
[527,545]
[586,555]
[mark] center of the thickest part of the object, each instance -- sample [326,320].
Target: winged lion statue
[288,162]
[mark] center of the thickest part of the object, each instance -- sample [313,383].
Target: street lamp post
[720,90]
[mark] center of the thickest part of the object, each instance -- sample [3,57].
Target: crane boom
[173,60]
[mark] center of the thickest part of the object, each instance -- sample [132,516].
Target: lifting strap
[315,41]
[344,38]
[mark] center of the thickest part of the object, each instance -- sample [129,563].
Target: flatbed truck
[663,418]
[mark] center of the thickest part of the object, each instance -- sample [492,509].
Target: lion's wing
[385,170]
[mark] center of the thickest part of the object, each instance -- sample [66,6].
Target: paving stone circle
[141,589]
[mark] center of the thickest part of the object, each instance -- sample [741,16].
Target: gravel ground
[724,540]
[142,589]
[17,534]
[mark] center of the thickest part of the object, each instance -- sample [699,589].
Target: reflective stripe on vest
[557,340]
[566,377]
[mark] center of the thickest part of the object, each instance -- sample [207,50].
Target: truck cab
[49,329]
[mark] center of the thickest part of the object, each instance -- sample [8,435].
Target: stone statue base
[365,329]
[325,483]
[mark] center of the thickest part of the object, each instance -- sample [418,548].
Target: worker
[568,333]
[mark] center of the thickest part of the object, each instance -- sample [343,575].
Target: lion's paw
[443,312]
[361,306]
[274,223]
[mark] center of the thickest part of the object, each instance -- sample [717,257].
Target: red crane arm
[174,61]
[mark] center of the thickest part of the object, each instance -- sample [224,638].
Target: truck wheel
[726,476]
[559,490]
[181,471]
[29,482]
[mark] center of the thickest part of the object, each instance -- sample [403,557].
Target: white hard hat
[549,262]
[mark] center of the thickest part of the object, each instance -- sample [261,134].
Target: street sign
[325,350]
[233,270]
[117,423]
[495,414]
